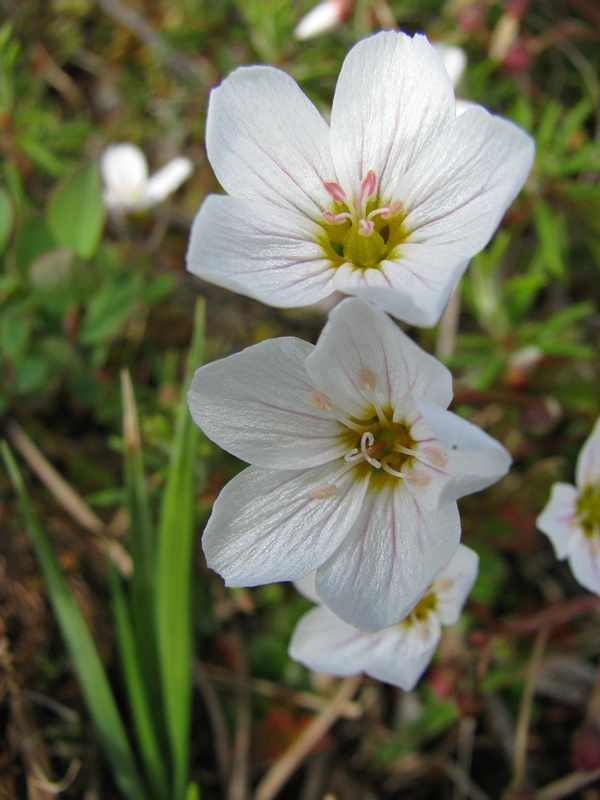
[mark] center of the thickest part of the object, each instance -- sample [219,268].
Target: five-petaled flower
[356,464]
[399,654]
[571,518]
[127,186]
[388,203]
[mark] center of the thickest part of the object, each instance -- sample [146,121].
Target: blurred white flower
[324,17]
[388,203]
[356,464]
[571,518]
[399,654]
[454,60]
[127,186]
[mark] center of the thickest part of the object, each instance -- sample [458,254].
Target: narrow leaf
[174,571]
[86,661]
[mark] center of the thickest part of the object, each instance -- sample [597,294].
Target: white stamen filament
[367,441]
[437,458]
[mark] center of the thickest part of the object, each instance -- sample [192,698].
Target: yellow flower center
[588,510]
[360,230]
[421,611]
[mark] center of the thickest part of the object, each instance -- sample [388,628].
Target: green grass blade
[141,706]
[88,666]
[142,542]
[175,557]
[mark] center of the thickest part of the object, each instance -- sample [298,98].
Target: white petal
[388,559]
[361,351]
[414,287]
[585,563]
[458,190]
[453,584]
[123,164]
[558,519]
[464,105]
[267,141]
[257,405]
[588,463]
[325,643]
[473,459]
[124,171]
[307,587]
[266,253]
[324,17]
[401,654]
[393,96]
[168,179]
[279,525]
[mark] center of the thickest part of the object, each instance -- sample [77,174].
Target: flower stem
[522,729]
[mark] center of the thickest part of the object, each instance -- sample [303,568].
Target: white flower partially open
[571,518]
[356,464]
[399,654]
[389,202]
[324,17]
[127,186]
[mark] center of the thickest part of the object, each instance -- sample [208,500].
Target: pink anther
[393,209]
[335,190]
[368,186]
[335,219]
[365,227]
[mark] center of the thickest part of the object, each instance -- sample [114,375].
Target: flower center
[421,611]
[588,510]
[359,229]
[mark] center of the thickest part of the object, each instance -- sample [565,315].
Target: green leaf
[174,572]
[110,308]
[75,211]
[86,661]
[33,240]
[53,269]
[7,218]
[552,235]
[134,670]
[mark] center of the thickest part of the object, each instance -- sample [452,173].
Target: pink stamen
[335,219]
[435,456]
[391,211]
[368,186]
[335,190]
[365,227]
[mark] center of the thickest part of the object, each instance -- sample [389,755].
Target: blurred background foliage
[84,294]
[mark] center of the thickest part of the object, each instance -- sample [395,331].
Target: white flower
[324,17]
[454,60]
[127,186]
[571,518]
[387,203]
[399,654]
[356,464]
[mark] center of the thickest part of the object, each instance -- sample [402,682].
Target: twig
[222,744]
[384,16]
[466,732]
[564,787]
[69,499]
[314,702]
[239,777]
[522,727]
[448,328]
[592,713]
[462,780]
[283,768]
[137,25]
